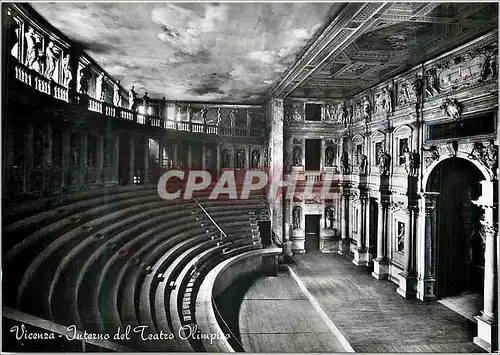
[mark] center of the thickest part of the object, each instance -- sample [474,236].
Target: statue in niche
[50,60]
[359,109]
[347,115]
[286,161]
[432,83]
[344,160]
[66,70]
[401,237]
[329,215]
[367,107]
[297,211]
[414,163]
[297,156]
[31,50]
[132,96]
[363,164]
[117,97]
[100,88]
[386,100]
[240,159]
[255,159]
[377,105]
[75,151]
[225,159]
[452,108]
[407,156]
[329,156]
[384,163]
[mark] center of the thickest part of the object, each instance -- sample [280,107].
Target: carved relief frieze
[486,153]
[293,111]
[463,71]
[383,101]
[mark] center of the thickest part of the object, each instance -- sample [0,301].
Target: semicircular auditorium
[251,177]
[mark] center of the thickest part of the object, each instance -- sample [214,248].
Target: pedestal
[328,242]
[343,246]
[298,240]
[287,248]
[380,269]
[360,257]
[487,334]
[407,286]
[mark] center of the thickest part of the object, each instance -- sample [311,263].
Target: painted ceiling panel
[230,52]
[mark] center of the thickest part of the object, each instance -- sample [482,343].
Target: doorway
[459,262]
[312,232]
[313,154]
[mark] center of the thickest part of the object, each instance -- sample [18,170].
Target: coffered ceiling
[371,42]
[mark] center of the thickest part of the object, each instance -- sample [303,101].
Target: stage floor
[344,302]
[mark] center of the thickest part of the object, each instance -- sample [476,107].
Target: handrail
[211,219]
[41,323]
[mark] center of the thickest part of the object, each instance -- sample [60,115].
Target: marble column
[276,168]
[47,157]
[487,321]
[287,245]
[83,158]
[380,264]
[407,279]
[369,255]
[100,159]
[344,244]
[147,173]
[361,253]
[65,157]
[426,292]
[189,155]
[29,157]
[131,162]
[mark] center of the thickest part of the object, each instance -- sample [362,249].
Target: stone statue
[66,70]
[384,163]
[329,156]
[491,156]
[255,159]
[386,100]
[452,108]
[344,160]
[418,87]
[219,116]
[367,107]
[145,102]
[407,156]
[248,118]
[297,156]
[401,237]
[163,105]
[117,97]
[240,159]
[330,113]
[404,95]
[132,95]
[225,159]
[296,217]
[348,114]
[232,118]
[83,83]
[489,67]
[100,88]
[50,60]
[31,50]
[363,164]
[329,212]
[432,83]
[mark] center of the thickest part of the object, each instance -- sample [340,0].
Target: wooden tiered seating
[115,257]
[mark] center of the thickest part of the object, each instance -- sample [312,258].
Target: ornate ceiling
[371,42]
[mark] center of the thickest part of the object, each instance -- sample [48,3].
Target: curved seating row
[121,257]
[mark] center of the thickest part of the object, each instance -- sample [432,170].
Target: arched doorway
[459,254]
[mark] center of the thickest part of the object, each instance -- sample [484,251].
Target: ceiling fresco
[230,52]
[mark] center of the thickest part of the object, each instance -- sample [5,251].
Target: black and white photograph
[260,177]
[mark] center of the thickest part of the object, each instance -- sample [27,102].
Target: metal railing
[222,234]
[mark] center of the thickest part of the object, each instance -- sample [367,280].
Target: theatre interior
[389,107]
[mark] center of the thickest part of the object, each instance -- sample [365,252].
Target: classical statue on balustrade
[31,48]
[296,217]
[132,99]
[100,87]
[117,96]
[67,71]
[50,60]
[363,164]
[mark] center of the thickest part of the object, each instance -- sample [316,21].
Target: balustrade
[60,92]
[313,175]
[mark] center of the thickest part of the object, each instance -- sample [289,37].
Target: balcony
[60,92]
